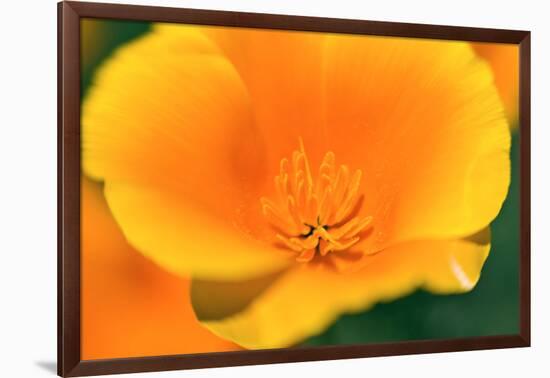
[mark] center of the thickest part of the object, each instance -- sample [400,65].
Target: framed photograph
[239,188]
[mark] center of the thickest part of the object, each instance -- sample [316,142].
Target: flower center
[315,216]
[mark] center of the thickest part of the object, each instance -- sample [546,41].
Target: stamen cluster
[315,216]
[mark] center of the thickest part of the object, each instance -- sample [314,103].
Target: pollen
[314,215]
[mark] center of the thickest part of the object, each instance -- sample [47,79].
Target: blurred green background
[491,308]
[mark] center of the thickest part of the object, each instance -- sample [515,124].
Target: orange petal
[307,299]
[282,71]
[504,61]
[131,307]
[186,240]
[424,122]
[168,126]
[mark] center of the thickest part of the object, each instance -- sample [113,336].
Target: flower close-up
[283,179]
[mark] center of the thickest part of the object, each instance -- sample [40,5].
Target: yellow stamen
[315,215]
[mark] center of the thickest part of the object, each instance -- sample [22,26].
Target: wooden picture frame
[69,170]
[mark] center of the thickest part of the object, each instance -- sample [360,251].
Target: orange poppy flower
[128,306]
[299,176]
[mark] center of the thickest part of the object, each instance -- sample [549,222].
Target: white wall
[28,186]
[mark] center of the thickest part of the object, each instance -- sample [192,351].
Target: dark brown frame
[69,14]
